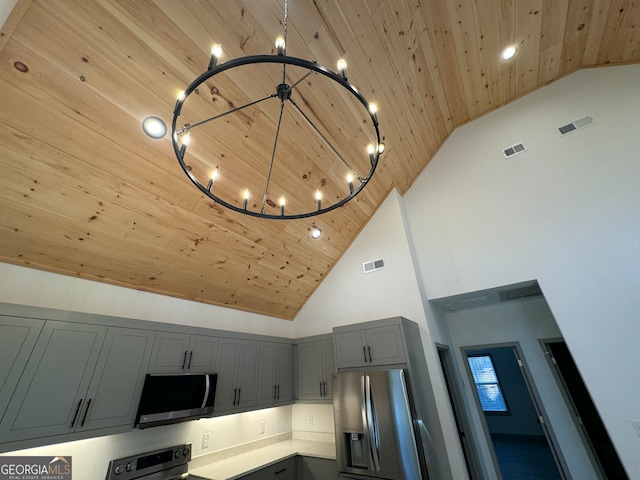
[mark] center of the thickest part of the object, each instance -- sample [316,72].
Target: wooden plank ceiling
[84,192]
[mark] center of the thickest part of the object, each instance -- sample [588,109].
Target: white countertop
[245,463]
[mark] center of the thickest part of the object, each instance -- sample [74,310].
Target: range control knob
[131,467]
[178,453]
[118,469]
[185,451]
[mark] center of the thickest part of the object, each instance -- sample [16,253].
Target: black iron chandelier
[331,179]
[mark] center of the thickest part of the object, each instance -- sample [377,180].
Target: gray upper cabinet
[276,374]
[117,382]
[49,399]
[17,338]
[79,377]
[237,385]
[183,353]
[366,347]
[316,364]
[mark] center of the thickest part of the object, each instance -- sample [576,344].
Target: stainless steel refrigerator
[377,432]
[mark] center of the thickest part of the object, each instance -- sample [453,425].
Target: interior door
[587,416]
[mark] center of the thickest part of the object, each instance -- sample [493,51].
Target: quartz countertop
[238,465]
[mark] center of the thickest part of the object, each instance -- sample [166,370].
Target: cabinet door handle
[275,395]
[84,417]
[190,358]
[370,360]
[320,388]
[184,360]
[278,391]
[75,417]
[238,395]
[280,471]
[235,394]
[324,389]
[364,352]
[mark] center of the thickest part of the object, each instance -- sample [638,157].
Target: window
[487,385]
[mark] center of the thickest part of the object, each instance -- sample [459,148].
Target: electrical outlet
[205,440]
[262,427]
[310,420]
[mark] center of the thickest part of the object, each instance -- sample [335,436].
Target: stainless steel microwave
[168,399]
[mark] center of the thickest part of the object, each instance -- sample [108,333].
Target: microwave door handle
[207,387]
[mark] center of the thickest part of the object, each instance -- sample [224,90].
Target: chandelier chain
[286,18]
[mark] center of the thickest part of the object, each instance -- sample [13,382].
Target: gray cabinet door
[268,385]
[385,346]
[17,338]
[202,357]
[52,391]
[370,347]
[283,470]
[315,366]
[237,385]
[116,385]
[248,375]
[351,349]
[284,370]
[318,469]
[275,385]
[328,368]
[170,353]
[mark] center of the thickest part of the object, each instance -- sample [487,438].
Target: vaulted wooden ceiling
[84,192]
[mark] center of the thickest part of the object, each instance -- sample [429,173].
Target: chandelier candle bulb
[213,177]
[282,202]
[216,52]
[246,199]
[342,68]
[280,45]
[181,96]
[350,182]
[371,150]
[186,139]
[319,199]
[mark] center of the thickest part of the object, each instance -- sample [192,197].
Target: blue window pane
[486,380]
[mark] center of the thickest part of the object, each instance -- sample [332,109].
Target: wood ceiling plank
[529,30]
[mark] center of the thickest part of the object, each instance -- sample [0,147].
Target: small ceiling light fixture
[509,52]
[154,127]
[291,138]
[316,233]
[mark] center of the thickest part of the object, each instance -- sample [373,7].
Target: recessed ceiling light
[316,232]
[509,52]
[154,127]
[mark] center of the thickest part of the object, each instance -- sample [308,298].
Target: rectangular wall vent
[519,293]
[372,266]
[573,126]
[513,150]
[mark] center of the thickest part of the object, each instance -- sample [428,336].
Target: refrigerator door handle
[371,428]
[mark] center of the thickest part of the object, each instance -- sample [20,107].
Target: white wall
[566,212]
[28,286]
[348,295]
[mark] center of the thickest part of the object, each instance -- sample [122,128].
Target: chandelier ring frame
[283,60]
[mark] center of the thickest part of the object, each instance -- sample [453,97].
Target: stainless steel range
[170,463]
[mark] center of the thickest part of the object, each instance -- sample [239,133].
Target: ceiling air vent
[513,150]
[519,293]
[372,266]
[573,126]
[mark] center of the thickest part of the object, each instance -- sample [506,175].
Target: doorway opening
[460,416]
[586,416]
[520,436]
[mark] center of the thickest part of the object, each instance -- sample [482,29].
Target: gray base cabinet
[284,470]
[312,468]
[315,365]
[79,377]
